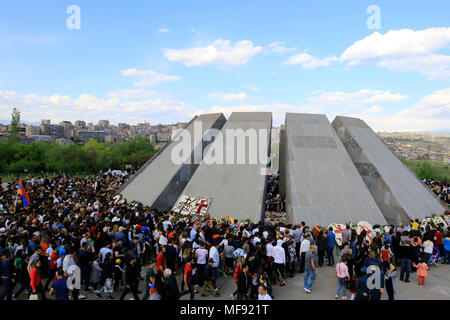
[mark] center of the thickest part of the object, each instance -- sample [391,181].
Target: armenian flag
[21,191]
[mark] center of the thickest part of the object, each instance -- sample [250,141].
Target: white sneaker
[336,296]
[344,297]
[307,290]
[81,296]
[232,297]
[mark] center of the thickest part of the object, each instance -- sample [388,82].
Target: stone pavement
[437,287]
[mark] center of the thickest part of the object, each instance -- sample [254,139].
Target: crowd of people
[75,239]
[440,189]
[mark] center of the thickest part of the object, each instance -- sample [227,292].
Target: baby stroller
[435,256]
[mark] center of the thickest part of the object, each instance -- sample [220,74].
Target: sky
[386,62]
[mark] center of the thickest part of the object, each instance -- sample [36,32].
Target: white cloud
[220,53]
[163,30]
[354,99]
[432,113]
[279,47]
[384,96]
[374,109]
[434,66]
[148,77]
[404,50]
[397,43]
[308,61]
[228,96]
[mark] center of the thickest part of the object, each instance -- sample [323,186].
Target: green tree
[15,126]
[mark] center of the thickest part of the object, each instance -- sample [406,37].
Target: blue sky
[165,61]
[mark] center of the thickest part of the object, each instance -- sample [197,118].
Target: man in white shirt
[304,248]
[202,257]
[279,256]
[105,250]
[214,254]
[262,293]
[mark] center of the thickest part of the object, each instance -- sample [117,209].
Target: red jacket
[35,279]
[160,262]
[237,273]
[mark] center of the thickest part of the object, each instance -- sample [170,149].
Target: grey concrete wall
[160,181]
[237,190]
[399,193]
[322,184]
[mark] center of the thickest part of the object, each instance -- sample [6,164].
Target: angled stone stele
[160,181]
[399,193]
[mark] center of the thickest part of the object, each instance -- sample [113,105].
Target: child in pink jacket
[422,271]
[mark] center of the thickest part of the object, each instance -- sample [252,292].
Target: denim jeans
[6,289]
[330,256]
[341,285]
[427,257]
[446,256]
[309,273]
[190,290]
[216,276]
[406,267]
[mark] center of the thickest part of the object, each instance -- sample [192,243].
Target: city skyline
[168,62]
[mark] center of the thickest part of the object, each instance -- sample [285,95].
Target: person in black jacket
[131,279]
[171,255]
[244,283]
[322,244]
[208,279]
[406,255]
[171,287]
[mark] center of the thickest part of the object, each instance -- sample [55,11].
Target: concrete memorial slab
[233,172]
[161,180]
[398,192]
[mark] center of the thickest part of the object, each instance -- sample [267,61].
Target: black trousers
[133,290]
[302,262]
[390,289]
[280,268]
[321,254]
[201,274]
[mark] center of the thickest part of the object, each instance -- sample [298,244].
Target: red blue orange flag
[21,191]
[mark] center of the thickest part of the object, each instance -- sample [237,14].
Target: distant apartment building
[54,130]
[68,129]
[103,123]
[80,124]
[45,121]
[122,126]
[163,137]
[32,131]
[85,135]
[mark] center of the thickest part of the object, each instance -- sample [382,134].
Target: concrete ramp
[321,183]
[399,193]
[159,182]
[236,189]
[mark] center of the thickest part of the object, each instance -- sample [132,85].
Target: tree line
[37,157]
